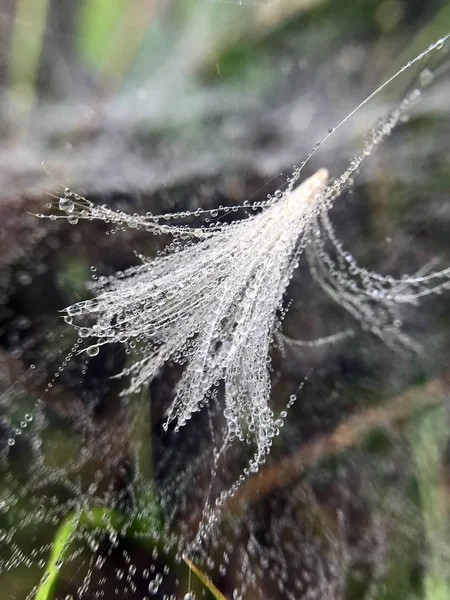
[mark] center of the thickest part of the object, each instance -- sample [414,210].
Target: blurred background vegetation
[164,105]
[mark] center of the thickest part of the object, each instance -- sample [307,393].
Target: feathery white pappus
[214,303]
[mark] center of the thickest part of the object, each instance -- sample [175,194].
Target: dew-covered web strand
[387,284]
[29,416]
[317,342]
[73,201]
[438,45]
[79,207]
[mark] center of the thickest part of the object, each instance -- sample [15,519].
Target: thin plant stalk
[204,579]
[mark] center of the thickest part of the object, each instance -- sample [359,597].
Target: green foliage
[61,545]
[99,27]
[96,519]
[429,438]
[26,46]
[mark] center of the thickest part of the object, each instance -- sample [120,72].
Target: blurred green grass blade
[146,496]
[204,579]
[140,411]
[429,439]
[110,33]
[26,45]
[100,518]
[99,25]
[94,518]
[61,545]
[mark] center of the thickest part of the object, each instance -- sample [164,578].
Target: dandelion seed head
[212,301]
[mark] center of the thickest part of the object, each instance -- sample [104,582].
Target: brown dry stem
[346,435]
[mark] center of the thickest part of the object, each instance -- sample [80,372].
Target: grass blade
[429,441]
[204,579]
[60,547]
[92,518]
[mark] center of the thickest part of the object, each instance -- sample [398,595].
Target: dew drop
[153,587]
[426,77]
[93,350]
[66,204]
